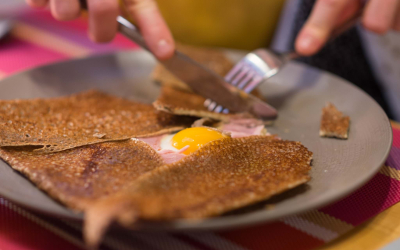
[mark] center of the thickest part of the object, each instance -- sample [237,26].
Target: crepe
[189,104]
[79,176]
[221,176]
[86,118]
[334,123]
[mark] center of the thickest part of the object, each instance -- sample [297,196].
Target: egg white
[166,143]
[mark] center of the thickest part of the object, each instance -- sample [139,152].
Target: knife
[201,80]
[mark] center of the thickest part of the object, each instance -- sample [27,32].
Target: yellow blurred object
[240,24]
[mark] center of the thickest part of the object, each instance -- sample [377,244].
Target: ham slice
[243,127]
[154,141]
[170,156]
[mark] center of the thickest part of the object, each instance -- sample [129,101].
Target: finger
[152,26]
[64,10]
[316,31]
[351,8]
[102,19]
[379,15]
[396,23]
[37,3]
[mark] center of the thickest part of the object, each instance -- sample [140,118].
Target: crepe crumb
[334,123]
[100,136]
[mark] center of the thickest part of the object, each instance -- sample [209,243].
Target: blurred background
[241,24]
[238,24]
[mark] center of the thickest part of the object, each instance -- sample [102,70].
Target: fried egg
[173,147]
[189,140]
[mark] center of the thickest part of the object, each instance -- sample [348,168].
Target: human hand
[103,24]
[378,16]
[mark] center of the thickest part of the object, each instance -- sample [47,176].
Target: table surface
[375,233]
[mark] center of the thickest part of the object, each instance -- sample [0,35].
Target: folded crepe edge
[160,106]
[101,214]
[44,149]
[190,112]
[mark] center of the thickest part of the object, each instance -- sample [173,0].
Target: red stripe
[18,55]
[277,236]
[19,233]
[374,197]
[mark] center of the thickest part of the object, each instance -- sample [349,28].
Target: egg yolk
[195,138]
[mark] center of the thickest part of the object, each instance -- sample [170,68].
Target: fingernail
[306,42]
[163,48]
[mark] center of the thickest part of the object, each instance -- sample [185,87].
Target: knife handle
[126,28]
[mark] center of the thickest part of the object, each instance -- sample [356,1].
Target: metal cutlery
[258,66]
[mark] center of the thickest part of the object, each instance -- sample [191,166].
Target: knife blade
[203,81]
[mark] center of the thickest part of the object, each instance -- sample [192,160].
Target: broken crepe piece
[334,123]
[221,176]
[180,102]
[77,177]
[86,118]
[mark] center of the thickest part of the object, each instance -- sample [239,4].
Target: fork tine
[246,80]
[212,106]
[218,109]
[233,71]
[243,77]
[207,102]
[253,84]
[240,76]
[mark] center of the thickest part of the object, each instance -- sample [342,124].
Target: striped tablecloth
[37,39]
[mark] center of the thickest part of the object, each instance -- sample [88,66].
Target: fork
[261,64]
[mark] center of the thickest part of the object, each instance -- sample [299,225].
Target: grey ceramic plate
[298,92]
